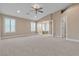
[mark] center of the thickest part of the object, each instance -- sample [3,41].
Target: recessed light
[18,11]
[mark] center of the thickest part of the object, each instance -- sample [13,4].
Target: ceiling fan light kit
[37,8]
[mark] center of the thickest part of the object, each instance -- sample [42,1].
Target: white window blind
[9,24]
[33,26]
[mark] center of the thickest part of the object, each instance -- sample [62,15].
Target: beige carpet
[38,46]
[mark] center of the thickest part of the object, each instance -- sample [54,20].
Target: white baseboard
[75,40]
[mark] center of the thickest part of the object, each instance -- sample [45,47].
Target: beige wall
[0,27]
[72,25]
[72,22]
[23,27]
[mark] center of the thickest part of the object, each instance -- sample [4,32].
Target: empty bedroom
[39,29]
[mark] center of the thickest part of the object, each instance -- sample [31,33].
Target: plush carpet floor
[38,46]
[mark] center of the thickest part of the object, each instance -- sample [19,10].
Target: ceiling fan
[37,8]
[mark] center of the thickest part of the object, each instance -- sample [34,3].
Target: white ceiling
[26,12]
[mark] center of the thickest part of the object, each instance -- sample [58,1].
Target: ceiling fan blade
[33,9]
[40,8]
[40,11]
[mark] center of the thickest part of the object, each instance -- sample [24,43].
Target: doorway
[63,27]
[43,27]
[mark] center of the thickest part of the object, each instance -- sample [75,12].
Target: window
[45,27]
[9,25]
[39,27]
[33,26]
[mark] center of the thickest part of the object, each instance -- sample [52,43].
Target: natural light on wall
[9,25]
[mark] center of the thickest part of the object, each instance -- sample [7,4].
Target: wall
[72,17]
[23,27]
[0,27]
[72,14]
